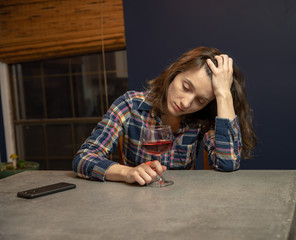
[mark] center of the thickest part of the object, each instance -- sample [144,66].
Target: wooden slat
[34,30]
[206,160]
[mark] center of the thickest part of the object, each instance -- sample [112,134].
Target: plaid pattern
[128,115]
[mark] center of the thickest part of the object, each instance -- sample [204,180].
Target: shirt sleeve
[224,145]
[92,159]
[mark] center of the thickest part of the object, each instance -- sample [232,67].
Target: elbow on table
[75,164]
[228,165]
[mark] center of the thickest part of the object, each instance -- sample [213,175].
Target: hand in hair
[222,78]
[222,75]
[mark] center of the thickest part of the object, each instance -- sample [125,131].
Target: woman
[201,96]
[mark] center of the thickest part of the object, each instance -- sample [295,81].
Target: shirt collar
[146,104]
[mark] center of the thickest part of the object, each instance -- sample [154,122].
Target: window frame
[18,122]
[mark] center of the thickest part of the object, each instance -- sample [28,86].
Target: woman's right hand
[145,173]
[142,174]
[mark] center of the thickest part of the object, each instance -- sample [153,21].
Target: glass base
[160,182]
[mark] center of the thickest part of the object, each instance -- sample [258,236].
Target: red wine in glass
[157,147]
[157,140]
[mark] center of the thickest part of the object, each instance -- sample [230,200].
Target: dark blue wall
[259,34]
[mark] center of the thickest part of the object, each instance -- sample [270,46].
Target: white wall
[7,110]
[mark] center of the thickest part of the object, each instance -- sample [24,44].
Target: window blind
[36,30]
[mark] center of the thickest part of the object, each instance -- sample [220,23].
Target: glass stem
[159,178]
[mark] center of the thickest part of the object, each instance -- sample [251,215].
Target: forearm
[225,108]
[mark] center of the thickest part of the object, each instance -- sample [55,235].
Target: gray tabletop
[200,205]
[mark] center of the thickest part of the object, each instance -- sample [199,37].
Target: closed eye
[200,101]
[186,86]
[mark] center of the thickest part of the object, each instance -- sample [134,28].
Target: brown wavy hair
[196,59]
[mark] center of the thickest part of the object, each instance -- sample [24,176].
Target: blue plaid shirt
[128,115]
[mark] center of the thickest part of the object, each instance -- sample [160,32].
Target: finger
[230,64]
[139,174]
[219,60]
[156,165]
[145,176]
[148,167]
[225,61]
[211,65]
[224,56]
[140,180]
[147,172]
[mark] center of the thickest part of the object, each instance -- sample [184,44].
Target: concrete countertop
[246,204]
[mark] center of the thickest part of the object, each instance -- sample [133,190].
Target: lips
[177,108]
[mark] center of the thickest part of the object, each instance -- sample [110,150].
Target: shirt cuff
[223,125]
[99,172]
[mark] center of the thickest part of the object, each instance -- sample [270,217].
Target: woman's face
[189,92]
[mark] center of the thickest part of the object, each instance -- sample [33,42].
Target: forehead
[199,81]
[196,76]
[197,73]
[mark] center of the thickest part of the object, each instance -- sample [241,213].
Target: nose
[187,101]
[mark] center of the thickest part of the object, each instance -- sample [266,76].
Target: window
[58,102]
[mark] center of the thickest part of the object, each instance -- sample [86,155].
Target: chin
[173,112]
[176,114]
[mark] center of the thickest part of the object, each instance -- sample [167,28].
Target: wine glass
[157,140]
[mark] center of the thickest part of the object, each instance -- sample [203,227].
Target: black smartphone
[46,190]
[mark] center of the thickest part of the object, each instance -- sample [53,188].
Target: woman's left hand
[222,77]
